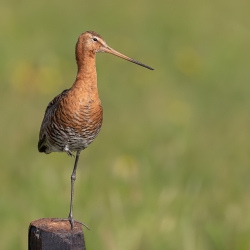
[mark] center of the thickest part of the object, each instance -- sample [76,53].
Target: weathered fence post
[49,234]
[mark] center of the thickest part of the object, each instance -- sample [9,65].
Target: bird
[73,119]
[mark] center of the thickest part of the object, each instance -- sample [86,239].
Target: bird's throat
[85,85]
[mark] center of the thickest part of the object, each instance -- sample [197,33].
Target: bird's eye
[95,39]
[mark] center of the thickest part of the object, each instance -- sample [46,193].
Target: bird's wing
[55,100]
[42,136]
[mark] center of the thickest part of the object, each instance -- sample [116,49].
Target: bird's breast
[72,122]
[84,116]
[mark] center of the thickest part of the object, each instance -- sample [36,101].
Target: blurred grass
[170,168]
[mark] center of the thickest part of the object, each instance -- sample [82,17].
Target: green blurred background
[171,166]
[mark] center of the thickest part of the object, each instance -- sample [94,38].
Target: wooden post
[47,234]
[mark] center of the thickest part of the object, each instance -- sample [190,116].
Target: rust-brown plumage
[73,119]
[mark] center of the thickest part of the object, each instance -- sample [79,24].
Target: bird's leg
[66,149]
[73,178]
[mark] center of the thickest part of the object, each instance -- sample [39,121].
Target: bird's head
[91,42]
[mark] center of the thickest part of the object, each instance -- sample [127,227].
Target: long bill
[116,53]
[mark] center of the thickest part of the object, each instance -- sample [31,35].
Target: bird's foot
[72,222]
[69,153]
[66,150]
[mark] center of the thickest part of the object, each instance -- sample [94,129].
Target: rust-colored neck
[86,78]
